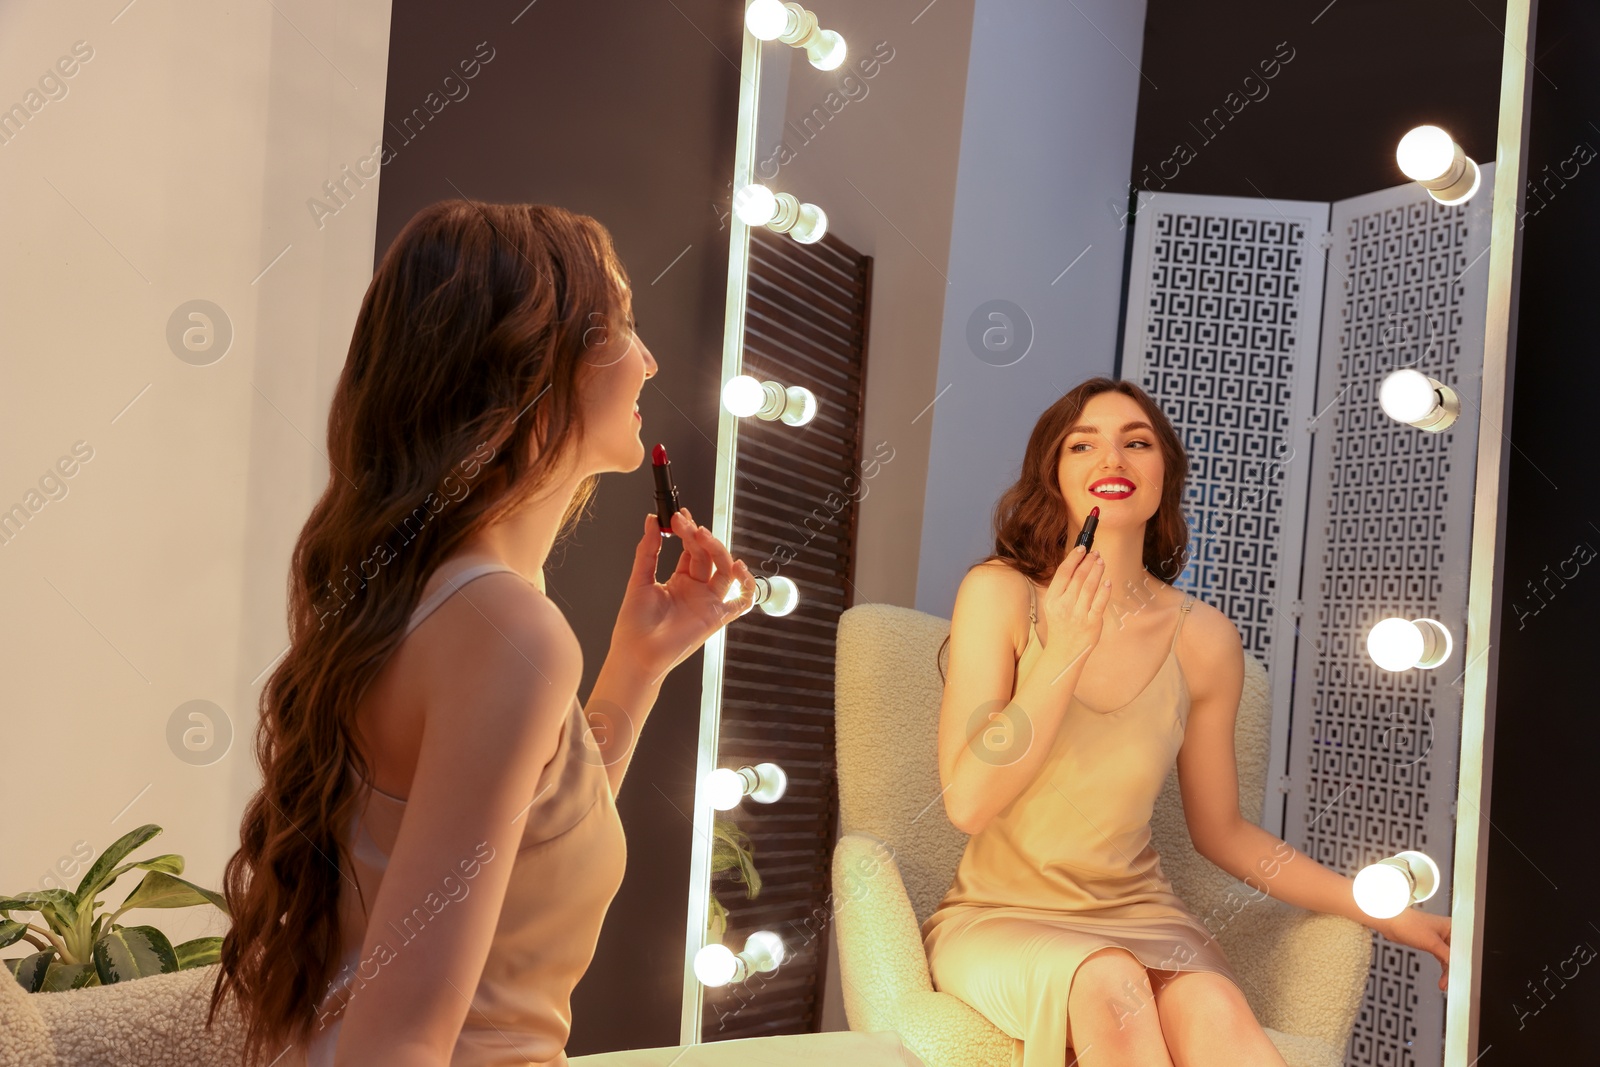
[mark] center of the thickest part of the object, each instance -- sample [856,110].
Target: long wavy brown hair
[1030,519]
[458,403]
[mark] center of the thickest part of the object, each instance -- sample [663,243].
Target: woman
[1060,926]
[492,376]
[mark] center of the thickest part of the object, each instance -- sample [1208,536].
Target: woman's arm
[992,743]
[1208,779]
[616,711]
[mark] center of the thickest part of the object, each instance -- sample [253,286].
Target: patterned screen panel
[1313,515]
[1373,753]
[1224,305]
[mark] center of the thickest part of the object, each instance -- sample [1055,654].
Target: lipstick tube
[1086,538]
[666,492]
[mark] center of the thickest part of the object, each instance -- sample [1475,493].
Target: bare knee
[1111,998]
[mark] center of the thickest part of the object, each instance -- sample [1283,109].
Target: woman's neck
[1133,588]
[522,540]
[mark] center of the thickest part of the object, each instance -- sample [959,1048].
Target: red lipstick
[666,492]
[1086,538]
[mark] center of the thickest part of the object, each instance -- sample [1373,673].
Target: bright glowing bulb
[805,411]
[755,205]
[725,788]
[828,53]
[773,783]
[811,225]
[767,948]
[715,965]
[1425,153]
[1406,396]
[1382,890]
[743,395]
[766,19]
[782,595]
[1395,644]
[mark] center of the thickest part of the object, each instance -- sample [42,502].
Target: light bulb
[725,788]
[1425,153]
[767,19]
[1431,158]
[1406,396]
[802,405]
[779,596]
[826,51]
[743,395]
[1394,644]
[1382,890]
[1388,887]
[811,225]
[1415,399]
[715,965]
[765,949]
[755,205]
[1400,644]
[773,783]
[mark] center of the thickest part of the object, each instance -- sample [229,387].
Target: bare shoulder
[1210,646]
[1000,593]
[498,633]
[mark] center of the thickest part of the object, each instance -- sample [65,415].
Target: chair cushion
[149,1021]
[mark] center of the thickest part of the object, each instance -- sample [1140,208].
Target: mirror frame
[703,815]
[1485,599]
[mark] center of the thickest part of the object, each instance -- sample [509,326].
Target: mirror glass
[1209,202]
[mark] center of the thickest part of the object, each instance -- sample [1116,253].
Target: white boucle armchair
[1303,973]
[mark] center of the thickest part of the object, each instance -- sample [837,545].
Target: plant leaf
[716,921]
[201,952]
[171,863]
[58,906]
[96,877]
[29,970]
[59,977]
[133,952]
[12,932]
[162,890]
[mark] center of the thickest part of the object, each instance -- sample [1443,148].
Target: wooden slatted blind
[794,513]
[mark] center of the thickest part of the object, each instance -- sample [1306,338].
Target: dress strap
[1183,612]
[451,584]
[1033,614]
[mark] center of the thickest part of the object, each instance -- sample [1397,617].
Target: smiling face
[616,366]
[1111,459]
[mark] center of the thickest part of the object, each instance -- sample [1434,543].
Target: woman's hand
[1075,604]
[1424,930]
[660,625]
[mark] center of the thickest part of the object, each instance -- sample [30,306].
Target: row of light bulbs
[1430,157]
[743,395]
[755,204]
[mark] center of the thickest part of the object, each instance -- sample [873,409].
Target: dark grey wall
[1316,106]
[625,111]
[1541,972]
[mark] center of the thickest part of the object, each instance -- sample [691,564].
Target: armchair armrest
[1314,965]
[881,958]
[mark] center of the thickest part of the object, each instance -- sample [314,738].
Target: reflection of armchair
[1304,973]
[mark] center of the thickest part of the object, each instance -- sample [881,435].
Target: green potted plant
[730,851]
[79,948]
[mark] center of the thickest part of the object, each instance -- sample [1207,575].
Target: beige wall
[174,164]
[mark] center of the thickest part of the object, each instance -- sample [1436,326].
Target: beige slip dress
[565,873]
[1067,868]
